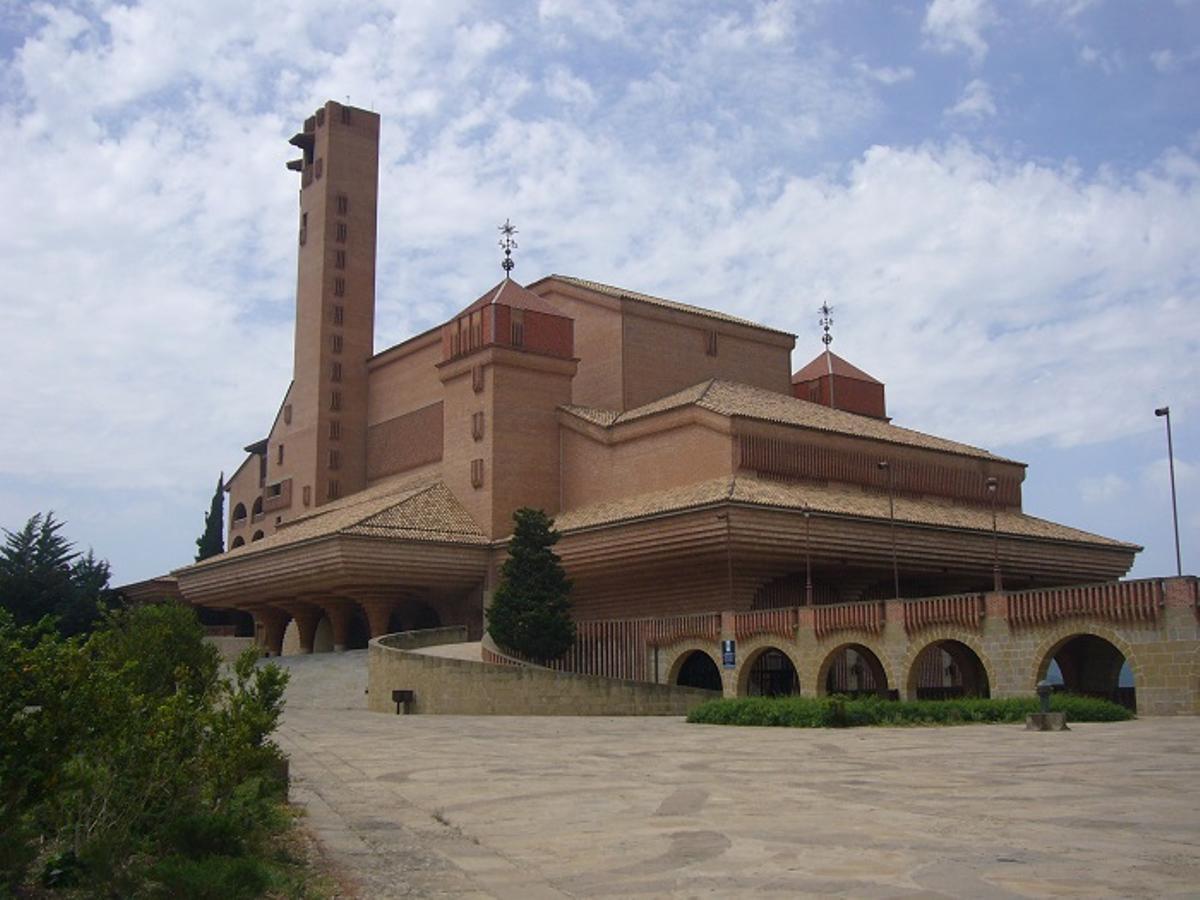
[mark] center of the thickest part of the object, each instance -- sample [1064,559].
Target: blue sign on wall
[728,654]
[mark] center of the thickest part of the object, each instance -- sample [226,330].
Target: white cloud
[975,102]
[1103,489]
[562,85]
[887,75]
[958,26]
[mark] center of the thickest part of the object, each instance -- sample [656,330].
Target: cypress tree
[530,613]
[212,541]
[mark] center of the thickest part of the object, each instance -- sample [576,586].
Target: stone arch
[258,536]
[697,668]
[1063,633]
[668,659]
[239,512]
[1093,666]
[238,541]
[875,678]
[323,636]
[257,509]
[978,656]
[754,680]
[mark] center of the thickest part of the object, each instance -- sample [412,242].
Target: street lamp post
[883,465]
[808,589]
[997,585]
[1165,411]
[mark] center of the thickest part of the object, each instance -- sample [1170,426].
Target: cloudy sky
[1000,199]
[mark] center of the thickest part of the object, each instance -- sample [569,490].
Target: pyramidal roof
[510,293]
[821,366]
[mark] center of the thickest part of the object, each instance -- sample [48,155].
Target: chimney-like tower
[335,300]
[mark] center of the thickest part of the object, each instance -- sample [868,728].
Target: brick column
[339,621]
[379,612]
[269,625]
[306,625]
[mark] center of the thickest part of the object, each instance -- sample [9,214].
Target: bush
[128,764]
[839,712]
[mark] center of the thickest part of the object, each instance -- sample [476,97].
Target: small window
[287,414]
[477,379]
[335,430]
[710,343]
[518,327]
[256,509]
[238,541]
[335,459]
[339,232]
[335,373]
[279,455]
[477,473]
[275,490]
[339,314]
[303,228]
[307,494]
[335,400]
[258,536]
[336,342]
[319,168]
[477,426]
[239,512]
[333,489]
[339,259]
[339,287]
[343,204]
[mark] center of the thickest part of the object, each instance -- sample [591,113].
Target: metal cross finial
[508,244]
[825,321]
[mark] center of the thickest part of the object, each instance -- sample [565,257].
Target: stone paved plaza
[586,807]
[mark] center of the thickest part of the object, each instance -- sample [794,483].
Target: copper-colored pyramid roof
[841,368]
[509,293]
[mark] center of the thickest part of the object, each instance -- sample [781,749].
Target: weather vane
[825,321]
[508,244]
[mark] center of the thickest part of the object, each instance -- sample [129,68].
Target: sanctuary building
[688,466]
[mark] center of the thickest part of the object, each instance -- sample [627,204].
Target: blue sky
[1000,200]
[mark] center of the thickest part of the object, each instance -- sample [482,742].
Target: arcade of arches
[1149,662]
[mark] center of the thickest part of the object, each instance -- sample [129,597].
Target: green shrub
[211,878]
[839,712]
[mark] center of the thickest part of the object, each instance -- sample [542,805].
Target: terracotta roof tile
[837,500]
[730,399]
[820,366]
[626,294]
[509,293]
[421,510]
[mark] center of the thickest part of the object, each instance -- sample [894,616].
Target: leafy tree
[530,613]
[41,574]
[212,541]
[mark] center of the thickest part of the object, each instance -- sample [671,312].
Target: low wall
[445,686]
[229,647]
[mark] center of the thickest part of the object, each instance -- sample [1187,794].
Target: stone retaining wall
[462,687]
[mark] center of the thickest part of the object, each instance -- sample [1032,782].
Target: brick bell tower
[335,300]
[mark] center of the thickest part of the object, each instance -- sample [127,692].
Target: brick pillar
[306,624]
[379,612]
[269,625]
[339,621]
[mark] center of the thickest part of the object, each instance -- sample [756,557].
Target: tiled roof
[836,500]
[730,399]
[509,293]
[626,294]
[401,508]
[820,366]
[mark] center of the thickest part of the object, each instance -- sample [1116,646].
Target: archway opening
[699,671]
[855,671]
[358,632]
[238,541]
[413,615]
[1090,665]
[257,536]
[949,669]
[772,675]
[257,508]
[239,512]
